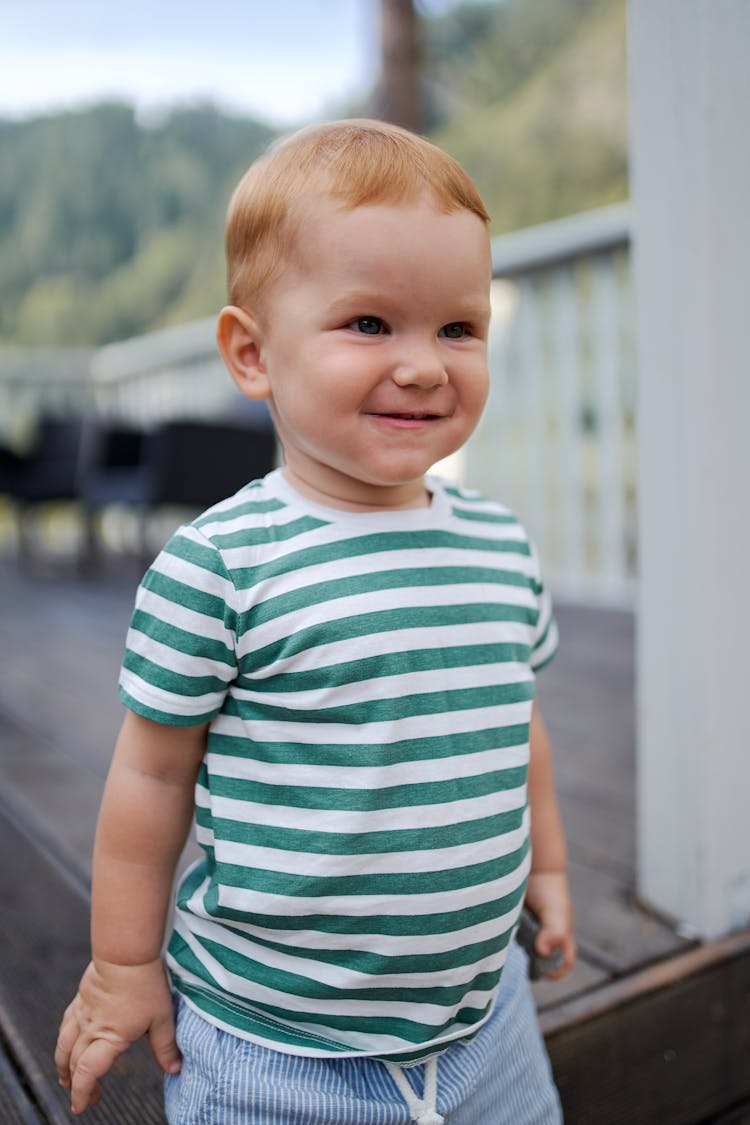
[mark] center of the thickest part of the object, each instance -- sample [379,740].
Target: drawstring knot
[422,1110]
[423,1114]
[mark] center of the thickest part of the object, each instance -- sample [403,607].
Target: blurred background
[124,128]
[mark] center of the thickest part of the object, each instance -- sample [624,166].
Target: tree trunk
[399,94]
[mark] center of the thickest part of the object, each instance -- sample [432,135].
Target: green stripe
[245,508]
[182,640]
[478,516]
[167,718]
[199,553]
[395,883]
[385,925]
[354,585]
[189,597]
[362,843]
[388,664]
[262,535]
[336,631]
[356,754]
[385,710]
[364,800]
[295,984]
[175,682]
[376,964]
[357,547]
[544,637]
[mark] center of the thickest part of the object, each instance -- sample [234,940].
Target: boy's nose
[420,367]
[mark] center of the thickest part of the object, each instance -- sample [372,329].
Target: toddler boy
[333,671]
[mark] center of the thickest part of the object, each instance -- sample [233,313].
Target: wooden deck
[61,641]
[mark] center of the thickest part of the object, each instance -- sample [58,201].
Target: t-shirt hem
[408,1056]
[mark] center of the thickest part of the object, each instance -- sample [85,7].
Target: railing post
[691,177]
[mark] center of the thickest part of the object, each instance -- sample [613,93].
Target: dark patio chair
[49,471]
[188,464]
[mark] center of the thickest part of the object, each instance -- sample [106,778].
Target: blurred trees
[110,226]
[531,97]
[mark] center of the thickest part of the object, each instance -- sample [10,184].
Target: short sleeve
[180,654]
[546,639]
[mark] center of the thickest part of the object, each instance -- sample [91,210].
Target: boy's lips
[404,420]
[407,415]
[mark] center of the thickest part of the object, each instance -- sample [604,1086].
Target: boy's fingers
[94,1062]
[567,945]
[549,938]
[161,1037]
[66,1038]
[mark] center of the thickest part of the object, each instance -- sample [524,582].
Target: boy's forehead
[385,248]
[323,206]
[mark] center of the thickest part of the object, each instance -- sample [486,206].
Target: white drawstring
[423,1110]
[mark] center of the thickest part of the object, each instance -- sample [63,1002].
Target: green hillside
[554,141]
[110,226]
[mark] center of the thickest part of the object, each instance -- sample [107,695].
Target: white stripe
[364,821]
[402,599]
[189,573]
[401,641]
[377,734]
[329,536]
[159,699]
[394,945]
[254,902]
[351,776]
[183,663]
[388,687]
[313,865]
[180,616]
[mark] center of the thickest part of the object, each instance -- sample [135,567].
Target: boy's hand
[548,896]
[114,1006]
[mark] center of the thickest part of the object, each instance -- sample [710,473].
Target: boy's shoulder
[471,504]
[251,504]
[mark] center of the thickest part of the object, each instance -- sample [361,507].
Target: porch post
[690,108]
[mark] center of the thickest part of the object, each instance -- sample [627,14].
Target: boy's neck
[411,496]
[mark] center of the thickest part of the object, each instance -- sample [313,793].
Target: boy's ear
[239,339]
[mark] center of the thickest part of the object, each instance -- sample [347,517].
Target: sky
[285,61]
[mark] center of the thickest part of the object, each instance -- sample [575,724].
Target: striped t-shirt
[362,803]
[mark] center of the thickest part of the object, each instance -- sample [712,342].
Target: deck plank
[44,942]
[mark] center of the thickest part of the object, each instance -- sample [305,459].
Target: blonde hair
[355,162]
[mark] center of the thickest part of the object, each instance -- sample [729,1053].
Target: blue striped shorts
[502,1077]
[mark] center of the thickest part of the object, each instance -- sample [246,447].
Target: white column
[690,103]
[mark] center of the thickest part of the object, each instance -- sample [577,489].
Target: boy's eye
[370,325]
[453,331]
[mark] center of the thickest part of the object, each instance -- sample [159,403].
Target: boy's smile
[371,347]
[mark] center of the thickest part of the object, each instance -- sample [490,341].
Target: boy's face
[373,348]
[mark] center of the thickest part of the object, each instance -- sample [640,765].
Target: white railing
[35,380]
[176,372]
[556,443]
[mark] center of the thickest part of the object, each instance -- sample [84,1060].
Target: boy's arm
[548,893]
[144,820]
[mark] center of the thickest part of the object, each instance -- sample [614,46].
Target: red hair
[355,162]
